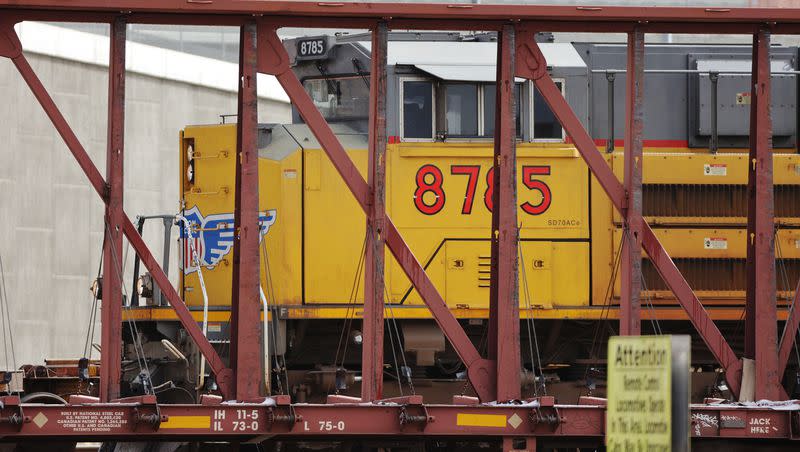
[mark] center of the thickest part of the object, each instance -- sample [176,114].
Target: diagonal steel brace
[273,59]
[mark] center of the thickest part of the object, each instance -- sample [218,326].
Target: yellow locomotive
[440,118]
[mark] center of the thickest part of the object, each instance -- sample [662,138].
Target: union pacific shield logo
[212,236]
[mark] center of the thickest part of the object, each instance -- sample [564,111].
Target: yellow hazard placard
[639,414]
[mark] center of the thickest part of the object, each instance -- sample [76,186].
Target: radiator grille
[720,274]
[695,200]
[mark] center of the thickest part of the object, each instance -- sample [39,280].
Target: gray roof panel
[445,53]
[462,73]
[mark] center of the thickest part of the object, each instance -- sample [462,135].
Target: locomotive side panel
[333,232]
[207,185]
[441,201]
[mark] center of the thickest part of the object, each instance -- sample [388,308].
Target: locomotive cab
[439,119]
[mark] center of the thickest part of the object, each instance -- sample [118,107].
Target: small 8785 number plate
[312,48]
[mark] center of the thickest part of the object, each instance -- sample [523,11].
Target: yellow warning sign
[639,415]
[743,98]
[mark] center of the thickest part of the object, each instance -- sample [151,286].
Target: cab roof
[467,61]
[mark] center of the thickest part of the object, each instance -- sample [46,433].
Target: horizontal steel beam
[273,420]
[425,10]
[582,23]
[398,23]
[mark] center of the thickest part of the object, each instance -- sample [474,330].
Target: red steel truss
[494,378]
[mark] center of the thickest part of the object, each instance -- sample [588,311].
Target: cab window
[467,110]
[461,104]
[339,98]
[417,109]
[489,99]
[545,124]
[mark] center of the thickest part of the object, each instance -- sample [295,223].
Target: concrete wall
[51,221]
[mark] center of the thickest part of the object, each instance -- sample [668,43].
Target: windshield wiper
[332,87]
[360,71]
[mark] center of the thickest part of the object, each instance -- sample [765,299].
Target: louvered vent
[720,274]
[684,200]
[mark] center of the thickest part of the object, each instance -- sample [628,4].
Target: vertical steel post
[631,262]
[111,313]
[374,289]
[761,311]
[504,339]
[245,301]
